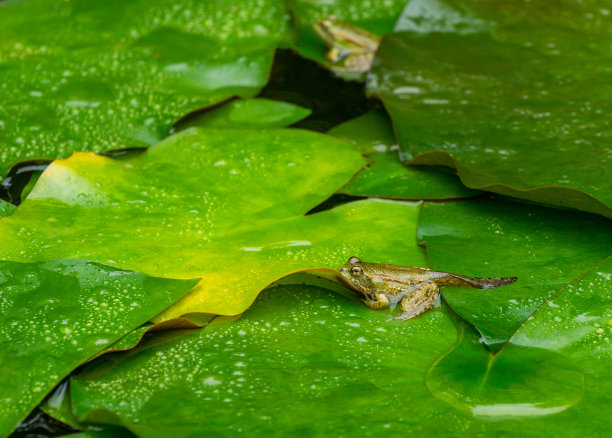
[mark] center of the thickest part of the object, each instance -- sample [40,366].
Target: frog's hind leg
[419,300]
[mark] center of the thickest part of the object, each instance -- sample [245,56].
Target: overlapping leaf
[386,177]
[56,315]
[246,113]
[300,360]
[223,205]
[486,238]
[514,97]
[84,75]
[559,361]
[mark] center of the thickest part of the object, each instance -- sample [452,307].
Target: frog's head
[355,275]
[326,28]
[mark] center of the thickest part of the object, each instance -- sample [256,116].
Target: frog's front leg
[419,300]
[380,301]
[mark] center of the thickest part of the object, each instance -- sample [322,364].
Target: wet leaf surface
[386,177]
[103,75]
[545,248]
[558,361]
[56,315]
[301,360]
[223,205]
[514,97]
[246,113]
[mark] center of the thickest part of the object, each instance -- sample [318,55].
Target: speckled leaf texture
[300,352]
[56,315]
[516,96]
[544,248]
[90,75]
[558,363]
[227,206]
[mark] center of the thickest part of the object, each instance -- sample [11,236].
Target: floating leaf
[296,355]
[223,205]
[95,76]
[246,113]
[559,361]
[56,315]
[513,97]
[486,238]
[386,177]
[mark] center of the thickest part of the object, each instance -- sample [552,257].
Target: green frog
[351,48]
[414,288]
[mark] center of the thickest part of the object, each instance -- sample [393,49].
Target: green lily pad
[378,17]
[513,97]
[486,238]
[246,113]
[300,360]
[56,315]
[386,177]
[558,362]
[224,205]
[81,76]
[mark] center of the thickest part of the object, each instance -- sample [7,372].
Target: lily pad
[296,355]
[487,238]
[387,177]
[246,113]
[513,97]
[104,75]
[56,315]
[224,205]
[560,357]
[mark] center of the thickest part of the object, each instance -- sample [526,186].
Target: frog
[351,48]
[415,288]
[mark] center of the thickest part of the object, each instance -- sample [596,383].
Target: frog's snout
[344,270]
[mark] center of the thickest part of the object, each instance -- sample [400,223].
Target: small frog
[415,288]
[351,48]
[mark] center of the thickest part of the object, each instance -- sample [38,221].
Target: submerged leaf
[56,315]
[486,238]
[84,75]
[514,97]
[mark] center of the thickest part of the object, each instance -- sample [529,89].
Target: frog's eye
[356,271]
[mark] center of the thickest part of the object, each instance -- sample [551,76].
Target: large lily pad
[301,360]
[84,75]
[513,97]
[386,176]
[488,238]
[559,361]
[55,315]
[224,205]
